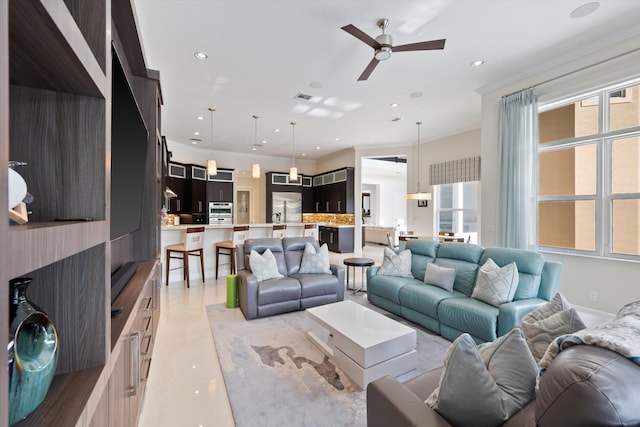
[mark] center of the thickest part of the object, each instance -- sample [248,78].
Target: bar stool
[193,246]
[279,231]
[310,230]
[228,247]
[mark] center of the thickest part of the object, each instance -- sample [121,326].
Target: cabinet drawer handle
[134,368]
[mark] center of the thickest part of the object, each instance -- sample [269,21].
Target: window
[457,207]
[589,173]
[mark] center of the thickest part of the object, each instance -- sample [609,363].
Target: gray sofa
[452,313]
[583,386]
[292,292]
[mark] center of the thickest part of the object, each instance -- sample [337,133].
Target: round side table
[357,262]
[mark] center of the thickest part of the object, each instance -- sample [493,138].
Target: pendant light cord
[418,123]
[293,153]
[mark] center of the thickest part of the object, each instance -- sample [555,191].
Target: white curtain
[517,176]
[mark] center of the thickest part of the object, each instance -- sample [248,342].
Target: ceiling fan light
[383,53]
[212,167]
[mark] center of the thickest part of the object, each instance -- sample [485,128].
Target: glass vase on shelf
[32,352]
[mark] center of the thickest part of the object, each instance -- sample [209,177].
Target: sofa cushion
[495,285]
[261,245]
[441,277]
[485,385]
[424,298]
[464,257]
[548,322]
[312,285]
[264,266]
[278,290]
[396,264]
[315,262]
[470,315]
[388,287]
[293,248]
[529,265]
[422,252]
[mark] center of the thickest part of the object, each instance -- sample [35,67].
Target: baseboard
[592,317]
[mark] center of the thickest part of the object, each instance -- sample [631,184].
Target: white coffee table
[365,344]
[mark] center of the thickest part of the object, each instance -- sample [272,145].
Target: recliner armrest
[391,403]
[338,271]
[511,314]
[248,294]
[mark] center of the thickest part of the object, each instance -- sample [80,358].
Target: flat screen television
[128,155]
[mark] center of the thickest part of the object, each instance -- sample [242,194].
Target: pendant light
[293,170]
[212,167]
[255,166]
[418,195]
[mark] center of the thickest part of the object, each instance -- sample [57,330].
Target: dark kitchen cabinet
[333,192]
[180,203]
[220,191]
[198,189]
[338,239]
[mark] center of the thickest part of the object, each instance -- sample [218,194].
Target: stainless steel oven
[220,213]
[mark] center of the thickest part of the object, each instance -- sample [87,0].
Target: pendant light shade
[293,170]
[212,166]
[255,166]
[418,195]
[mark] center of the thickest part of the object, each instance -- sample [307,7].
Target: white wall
[454,147]
[614,281]
[389,203]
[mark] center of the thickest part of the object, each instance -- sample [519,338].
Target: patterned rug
[275,376]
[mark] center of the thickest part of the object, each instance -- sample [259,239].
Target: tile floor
[185,386]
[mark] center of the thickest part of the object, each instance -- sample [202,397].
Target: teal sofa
[452,313]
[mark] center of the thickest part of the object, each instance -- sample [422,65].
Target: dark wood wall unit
[62,169]
[55,97]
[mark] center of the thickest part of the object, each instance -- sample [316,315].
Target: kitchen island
[172,234]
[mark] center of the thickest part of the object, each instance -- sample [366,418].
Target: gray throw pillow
[264,266]
[495,285]
[396,264]
[315,262]
[543,325]
[442,277]
[484,386]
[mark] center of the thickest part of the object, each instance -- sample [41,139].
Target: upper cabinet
[333,192]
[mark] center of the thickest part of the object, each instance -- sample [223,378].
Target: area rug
[275,376]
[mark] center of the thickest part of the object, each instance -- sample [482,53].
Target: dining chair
[193,245]
[279,231]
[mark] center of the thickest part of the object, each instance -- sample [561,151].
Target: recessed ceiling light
[253,148]
[477,63]
[196,133]
[303,154]
[416,95]
[317,148]
[337,139]
[201,55]
[276,130]
[394,105]
[315,85]
[264,141]
[584,10]
[200,118]
[194,142]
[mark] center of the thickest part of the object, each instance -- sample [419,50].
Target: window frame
[455,211]
[603,197]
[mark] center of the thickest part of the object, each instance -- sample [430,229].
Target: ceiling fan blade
[430,45]
[367,71]
[361,35]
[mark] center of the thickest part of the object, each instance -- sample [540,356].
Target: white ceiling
[263,52]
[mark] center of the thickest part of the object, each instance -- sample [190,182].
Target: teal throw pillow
[315,262]
[484,386]
[264,266]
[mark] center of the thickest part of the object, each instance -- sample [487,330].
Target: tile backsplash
[344,219]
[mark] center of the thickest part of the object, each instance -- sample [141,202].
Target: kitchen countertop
[336,225]
[228,226]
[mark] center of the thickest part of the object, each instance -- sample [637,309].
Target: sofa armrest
[248,294]
[391,403]
[372,271]
[338,271]
[511,314]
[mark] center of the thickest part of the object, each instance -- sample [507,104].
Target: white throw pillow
[442,277]
[315,262]
[264,266]
[394,264]
[495,285]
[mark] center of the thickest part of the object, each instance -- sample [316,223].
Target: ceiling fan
[383,45]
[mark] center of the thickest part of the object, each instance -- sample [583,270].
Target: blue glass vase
[33,352]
